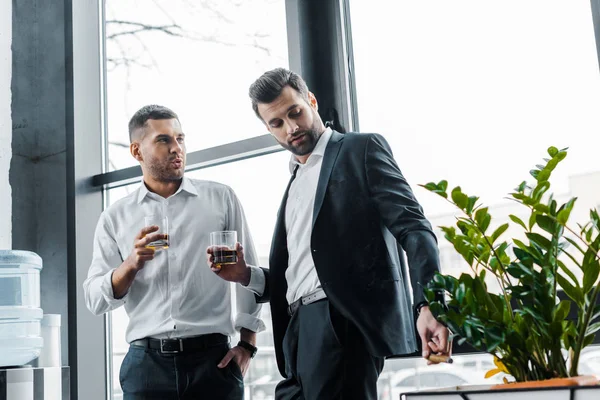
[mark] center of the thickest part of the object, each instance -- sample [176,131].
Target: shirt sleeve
[98,290]
[248,310]
[257,281]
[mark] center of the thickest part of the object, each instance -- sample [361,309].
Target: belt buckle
[162,346]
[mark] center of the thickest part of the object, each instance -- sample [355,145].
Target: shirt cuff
[249,322]
[257,281]
[107,291]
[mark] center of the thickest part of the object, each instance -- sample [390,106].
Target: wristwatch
[419,306]
[252,349]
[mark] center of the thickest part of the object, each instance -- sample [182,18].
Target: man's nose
[292,127]
[177,147]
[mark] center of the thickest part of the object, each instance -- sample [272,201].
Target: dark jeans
[148,374]
[326,358]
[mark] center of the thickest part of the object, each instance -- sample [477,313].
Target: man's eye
[276,124]
[296,113]
[180,140]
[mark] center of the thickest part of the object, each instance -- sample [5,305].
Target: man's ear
[134,149]
[312,100]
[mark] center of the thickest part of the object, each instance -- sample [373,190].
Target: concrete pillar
[5,123]
[38,169]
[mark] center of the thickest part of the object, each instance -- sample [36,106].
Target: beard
[311,137]
[162,171]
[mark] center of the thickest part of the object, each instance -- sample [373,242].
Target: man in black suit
[339,299]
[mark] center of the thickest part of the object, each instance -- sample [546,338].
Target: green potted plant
[523,325]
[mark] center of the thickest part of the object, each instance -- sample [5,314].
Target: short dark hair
[145,113]
[270,85]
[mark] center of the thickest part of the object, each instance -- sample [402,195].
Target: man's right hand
[140,253]
[238,272]
[123,277]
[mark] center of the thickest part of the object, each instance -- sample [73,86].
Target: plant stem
[584,325]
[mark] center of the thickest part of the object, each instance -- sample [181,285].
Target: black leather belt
[316,295]
[182,345]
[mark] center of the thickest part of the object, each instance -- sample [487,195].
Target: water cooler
[30,367]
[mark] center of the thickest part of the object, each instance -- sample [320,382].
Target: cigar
[440,359]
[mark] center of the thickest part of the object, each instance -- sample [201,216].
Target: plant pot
[578,388]
[583,380]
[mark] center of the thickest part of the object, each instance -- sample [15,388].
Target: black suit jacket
[364,214]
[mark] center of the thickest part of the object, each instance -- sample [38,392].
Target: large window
[474,92]
[196,57]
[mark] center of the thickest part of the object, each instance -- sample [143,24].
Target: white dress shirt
[175,294]
[301,274]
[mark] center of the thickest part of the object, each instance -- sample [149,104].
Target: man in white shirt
[180,314]
[340,300]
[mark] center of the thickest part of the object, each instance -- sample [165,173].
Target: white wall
[5,123]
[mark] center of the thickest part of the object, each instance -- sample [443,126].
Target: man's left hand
[434,335]
[238,355]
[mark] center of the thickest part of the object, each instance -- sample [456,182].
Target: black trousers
[148,374]
[326,358]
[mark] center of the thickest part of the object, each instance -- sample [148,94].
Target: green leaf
[480,215]
[499,231]
[539,191]
[563,216]
[539,239]
[590,275]
[494,337]
[517,220]
[486,222]
[561,155]
[568,272]
[533,312]
[459,198]
[593,328]
[588,340]
[562,311]
[596,313]
[532,219]
[429,186]
[541,208]
[443,185]
[575,245]
[471,204]
[437,189]
[574,293]
[556,328]
[485,256]
[545,222]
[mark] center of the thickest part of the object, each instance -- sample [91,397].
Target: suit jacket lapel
[279,235]
[331,153]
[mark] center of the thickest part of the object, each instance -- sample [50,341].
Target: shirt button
[314,250]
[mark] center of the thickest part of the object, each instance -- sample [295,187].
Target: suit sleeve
[402,214]
[248,310]
[265,297]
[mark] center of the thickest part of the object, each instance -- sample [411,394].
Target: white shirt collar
[319,150]
[186,186]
